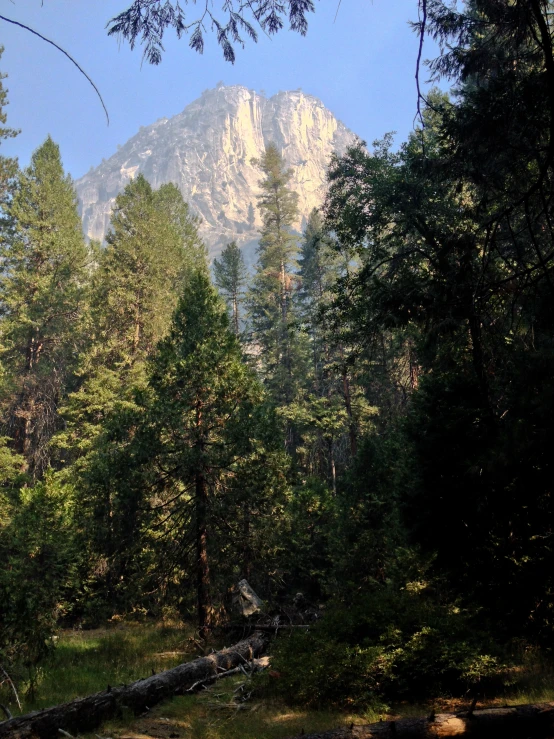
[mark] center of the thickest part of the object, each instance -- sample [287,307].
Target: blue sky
[361,65]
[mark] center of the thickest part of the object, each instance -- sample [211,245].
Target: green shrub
[387,645]
[37,576]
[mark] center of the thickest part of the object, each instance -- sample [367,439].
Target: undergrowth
[400,645]
[85,662]
[210,715]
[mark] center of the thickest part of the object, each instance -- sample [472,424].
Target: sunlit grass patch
[192,717]
[534,681]
[211,714]
[86,662]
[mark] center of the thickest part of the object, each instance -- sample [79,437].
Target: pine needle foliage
[199,445]
[230,276]
[8,165]
[152,244]
[270,302]
[45,266]
[146,21]
[152,247]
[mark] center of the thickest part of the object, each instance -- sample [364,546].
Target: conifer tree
[201,386]
[320,267]
[43,290]
[152,247]
[230,277]
[329,407]
[191,449]
[9,461]
[270,301]
[251,216]
[319,414]
[152,243]
[8,165]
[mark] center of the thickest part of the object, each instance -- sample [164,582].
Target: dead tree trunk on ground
[518,721]
[88,713]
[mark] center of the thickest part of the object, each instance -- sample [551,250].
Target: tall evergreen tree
[325,410]
[191,452]
[152,244]
[230,277]
[8,172]
[152,247]
[270,300]
[321,265]
[201,387]
[45,267]
[8,165]
[251,215]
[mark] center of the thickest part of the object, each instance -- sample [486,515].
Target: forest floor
[85,662]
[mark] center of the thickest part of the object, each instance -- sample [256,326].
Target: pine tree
[251,215]
[10,462]
[192,449]
[329,407]
[45,269]
[323,414]
[270,300]
[200,386]
[230,277]
[8,165]
[152,244]
[320,267]
[152,247]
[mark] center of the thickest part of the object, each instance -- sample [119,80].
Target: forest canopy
[361,424]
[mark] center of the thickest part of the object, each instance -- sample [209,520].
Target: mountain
[207,149]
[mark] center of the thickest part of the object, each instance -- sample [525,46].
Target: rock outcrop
[207,150]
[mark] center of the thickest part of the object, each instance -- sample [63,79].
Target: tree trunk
[520,721]
[85,714]
[333,466]
[246,563]
[348,406]
[24,416]
[414,368]
[236,313]
[282,280]
[478,359]
[136,333]
[202,563]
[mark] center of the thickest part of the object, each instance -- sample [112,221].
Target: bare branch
[10,681]
[59,48]
[422,24]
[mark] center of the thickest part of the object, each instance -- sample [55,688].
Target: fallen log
[280,627]
[85,714]
[535,720]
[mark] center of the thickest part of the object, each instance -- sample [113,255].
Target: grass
[85,662]
[533,682]
[207,716]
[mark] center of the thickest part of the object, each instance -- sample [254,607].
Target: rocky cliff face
[206,151]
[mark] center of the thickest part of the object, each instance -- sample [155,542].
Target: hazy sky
[361,66]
